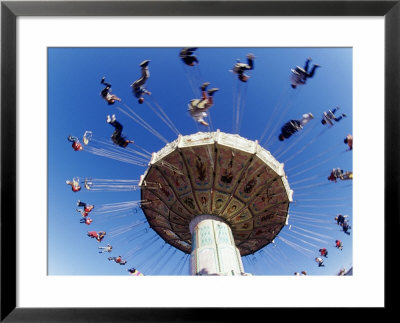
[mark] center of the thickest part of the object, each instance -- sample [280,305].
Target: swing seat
[87,136]
[327,119]
[348,176]
[87,184]
[298,68]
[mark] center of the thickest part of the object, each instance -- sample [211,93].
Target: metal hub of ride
[218,174]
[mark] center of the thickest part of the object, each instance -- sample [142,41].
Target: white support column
[213,248]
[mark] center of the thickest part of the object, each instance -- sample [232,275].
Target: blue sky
[267,102]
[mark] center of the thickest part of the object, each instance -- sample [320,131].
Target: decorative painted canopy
[220,174]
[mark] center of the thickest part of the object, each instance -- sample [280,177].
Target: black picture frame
[10,10]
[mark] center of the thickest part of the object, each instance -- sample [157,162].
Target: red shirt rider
[76,145]
[332,177]
[75,188]
[92,234]
[88,208]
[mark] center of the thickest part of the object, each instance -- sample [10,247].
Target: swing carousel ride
[216,197]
